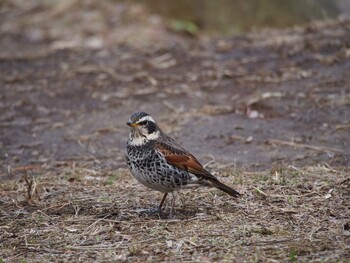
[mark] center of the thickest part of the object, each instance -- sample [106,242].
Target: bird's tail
[207,179]
[225,188]
[212,181]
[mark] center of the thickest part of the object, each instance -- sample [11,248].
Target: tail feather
[225,188]
[207,179]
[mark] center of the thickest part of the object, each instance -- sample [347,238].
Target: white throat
[141,140]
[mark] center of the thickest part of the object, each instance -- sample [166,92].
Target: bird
[157,161]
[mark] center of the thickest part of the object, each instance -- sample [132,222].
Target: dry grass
[69,212]
[287,214]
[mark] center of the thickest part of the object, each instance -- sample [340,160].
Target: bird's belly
[154,172]
[145,180]
[159,176]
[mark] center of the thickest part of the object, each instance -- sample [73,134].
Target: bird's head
[142,129]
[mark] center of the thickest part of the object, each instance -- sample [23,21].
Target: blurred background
[247,83]
[142,22]
[231,17]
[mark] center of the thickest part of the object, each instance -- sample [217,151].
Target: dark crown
[138,115]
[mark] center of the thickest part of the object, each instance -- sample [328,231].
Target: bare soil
[285,215]
[267,112]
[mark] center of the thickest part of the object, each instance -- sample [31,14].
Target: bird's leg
[174,194]
[162,202]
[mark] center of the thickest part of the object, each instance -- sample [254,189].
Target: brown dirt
[259,102]
[288,214]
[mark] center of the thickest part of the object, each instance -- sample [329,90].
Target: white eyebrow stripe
[146,118]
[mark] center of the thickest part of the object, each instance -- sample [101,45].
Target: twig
[30,188]
[261,192]
[97,247]
[302,145]
[283,196]
[343,127]
[112,246]
[273,241]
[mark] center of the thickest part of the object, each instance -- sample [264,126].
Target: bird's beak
[132,124]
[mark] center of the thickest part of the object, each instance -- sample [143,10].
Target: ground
[267,112]
[288,214]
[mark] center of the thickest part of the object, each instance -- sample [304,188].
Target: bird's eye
[142,122]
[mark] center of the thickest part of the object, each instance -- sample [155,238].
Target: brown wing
[182,159]
[179,157]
